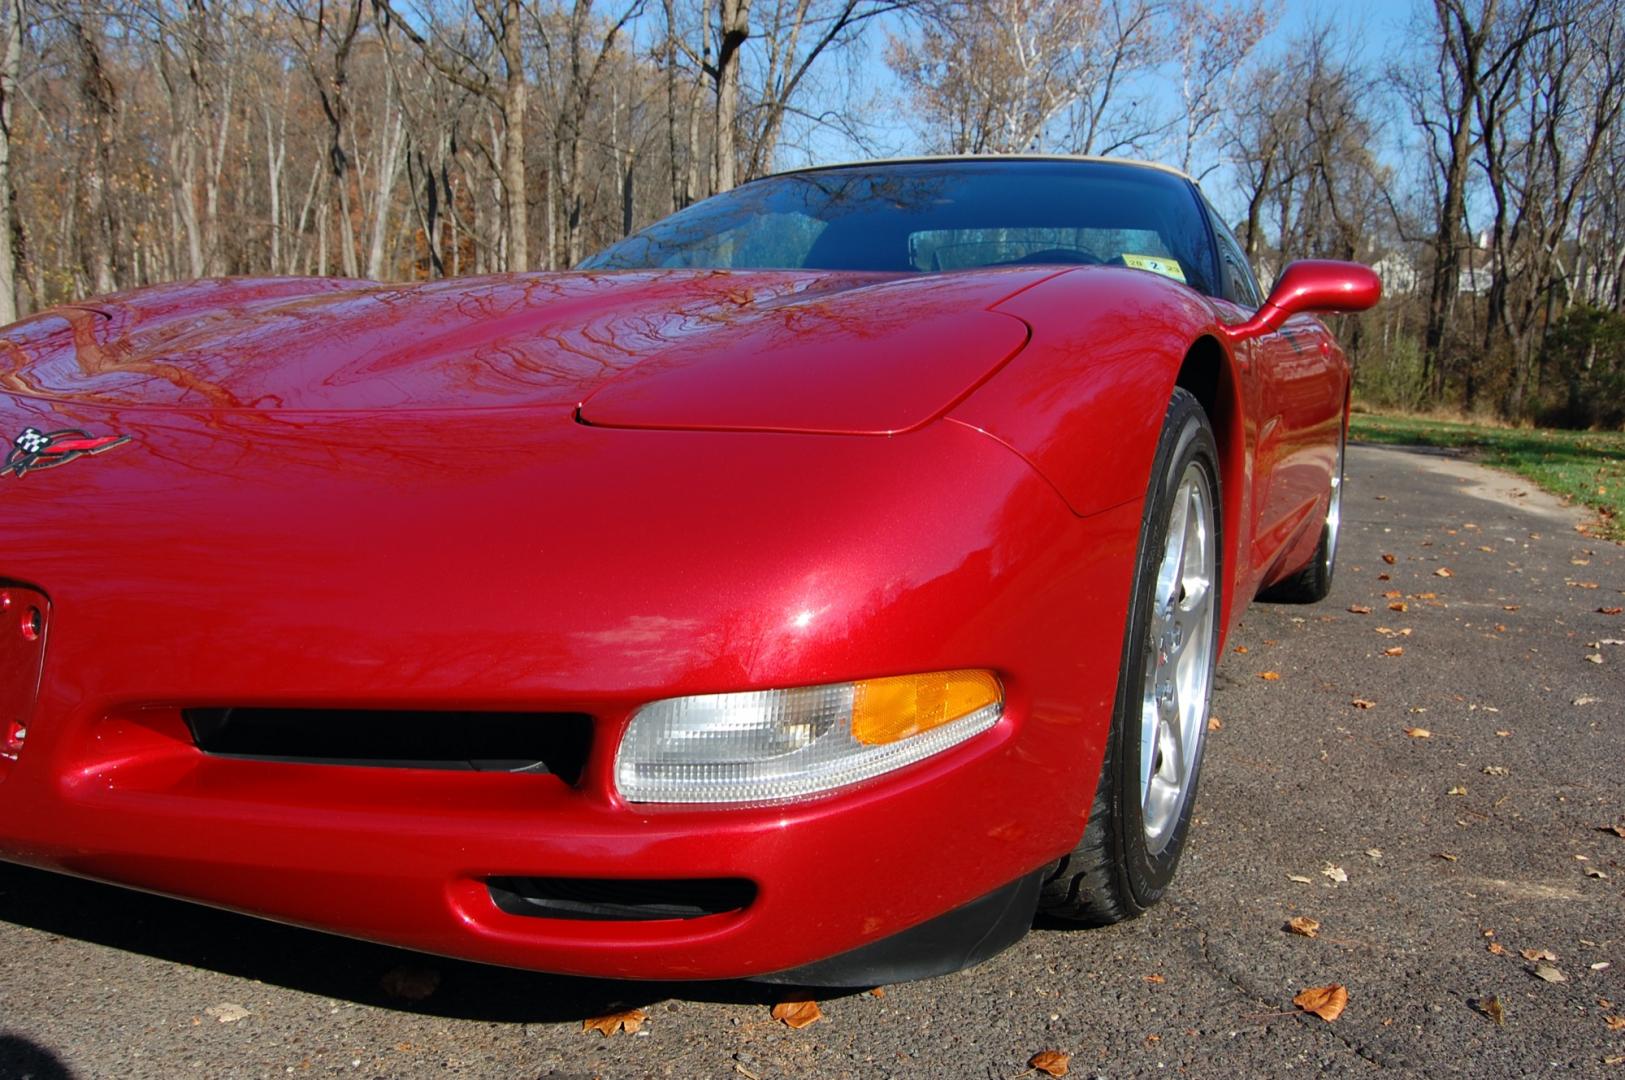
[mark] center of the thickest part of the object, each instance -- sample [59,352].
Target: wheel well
[1207,374]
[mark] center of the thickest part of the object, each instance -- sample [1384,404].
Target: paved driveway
[1460,850]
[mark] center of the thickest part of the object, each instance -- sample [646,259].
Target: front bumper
[112,786]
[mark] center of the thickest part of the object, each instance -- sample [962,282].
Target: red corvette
[811,587]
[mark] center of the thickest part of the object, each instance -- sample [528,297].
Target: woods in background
[1479,170]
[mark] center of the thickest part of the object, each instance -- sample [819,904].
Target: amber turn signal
[888,710]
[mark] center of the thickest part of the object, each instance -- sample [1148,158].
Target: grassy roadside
[1587,467]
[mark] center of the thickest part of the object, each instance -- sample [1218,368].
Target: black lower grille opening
[613,899]
[554,743]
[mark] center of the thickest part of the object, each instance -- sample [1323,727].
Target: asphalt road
[1507,662]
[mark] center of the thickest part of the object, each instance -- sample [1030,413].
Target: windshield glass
[937,216]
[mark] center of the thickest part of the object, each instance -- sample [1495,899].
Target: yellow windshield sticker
[1157,265]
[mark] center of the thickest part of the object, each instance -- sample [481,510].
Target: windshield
[937,216]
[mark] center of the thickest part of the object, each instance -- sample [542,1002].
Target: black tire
[1112,874]
[1313,583]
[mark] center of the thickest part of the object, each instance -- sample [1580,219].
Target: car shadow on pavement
[21,1059]
[323,964]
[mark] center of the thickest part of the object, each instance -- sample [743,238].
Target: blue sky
[1377,29]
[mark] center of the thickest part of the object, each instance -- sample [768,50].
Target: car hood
[757,350]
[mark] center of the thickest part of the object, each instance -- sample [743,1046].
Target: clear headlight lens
[777,744]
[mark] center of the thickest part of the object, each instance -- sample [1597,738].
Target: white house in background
[1397,273]
[1475,280]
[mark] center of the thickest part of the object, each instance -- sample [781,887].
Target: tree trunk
[735,30]
[513,140]
[10,66]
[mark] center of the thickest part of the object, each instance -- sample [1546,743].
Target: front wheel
[1142,808]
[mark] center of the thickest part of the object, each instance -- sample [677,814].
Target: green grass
[1587,467]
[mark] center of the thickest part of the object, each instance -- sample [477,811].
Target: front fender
[1084,402]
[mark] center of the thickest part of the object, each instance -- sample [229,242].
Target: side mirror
[1311,285]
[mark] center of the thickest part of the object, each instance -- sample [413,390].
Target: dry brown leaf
[1051,1063]
[1537,954]
[1549,974]
[1593,872]
[1497,948]
[879,992]
[1446,856]
[1419,733]
[1270,676]
[1326,1002]
[1443,571]
[1510,607]
[1300,879]
[1615,1023]
[1157,980]
[1582,585]
[1336,873]
[1497,770]
[1241,648]
[1362,703]
[1359,609]
[1392,594]
[1457,790]
[1389,559]
[1617,830]
[1426,596]
[1394,650]
[629,1021]
[1492,1008]
[798,1012]
[1595,658]
[1609,610]
[1215,724]
[1399,605]
[1303,926]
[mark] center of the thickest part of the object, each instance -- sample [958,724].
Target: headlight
[777,744]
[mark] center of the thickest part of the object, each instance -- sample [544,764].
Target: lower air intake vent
[553,743]
[620,900]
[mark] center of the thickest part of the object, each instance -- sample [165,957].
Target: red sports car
[810,587]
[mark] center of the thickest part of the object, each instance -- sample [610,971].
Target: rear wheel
[1313,583]
[1147,786]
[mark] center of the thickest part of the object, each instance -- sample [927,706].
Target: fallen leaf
[1051,1063]
[1617,830]
[1537,954]
[1392,594]
[1443,571]
[1373,853]
[1419,733]
[1359,609]
[1394,650]
[1335,872]
[1492,1008]
[1300,879]
[1303,926]
[1457,790]
[1582,585]
[1215,724]
[227,1012]
[1615,1023]
[1595,658]
[1585,700]
[1446,856]
[1601,965]
[797,1012]
[1399,605]
[879,992]
[1156,979]
[1270,676]
[1497,948]
[1549,973]
[1362,703]
[1593,872]
[1389,559]
[608,1024]
[410,983]
[1496,770]
[1503,734]
[1326,1002]
[1510,607]
[1609,610]
[1241,648]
